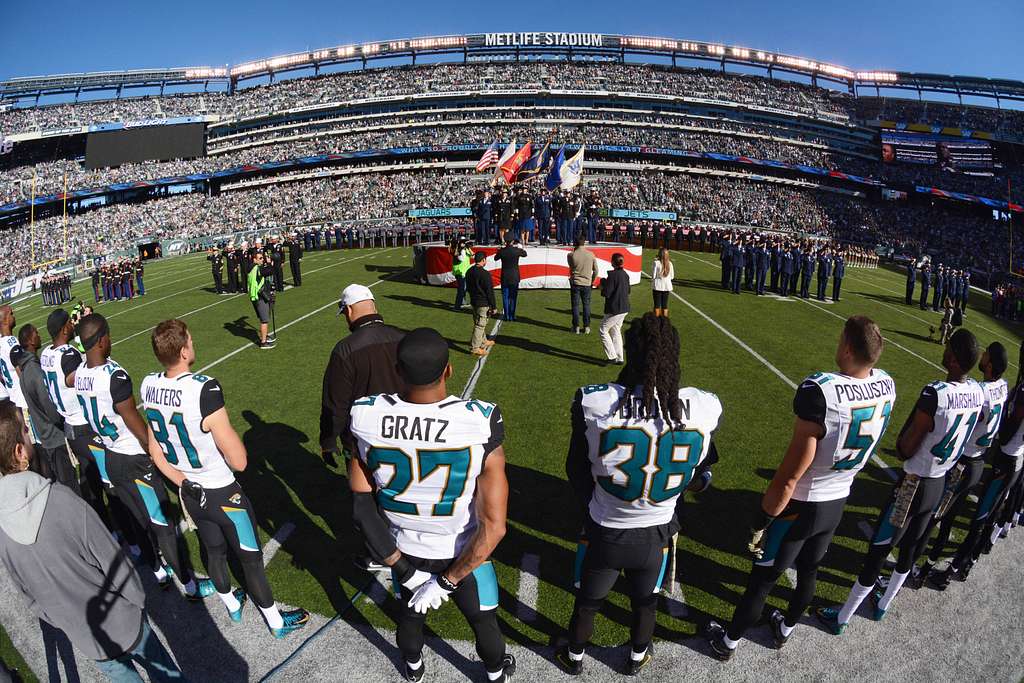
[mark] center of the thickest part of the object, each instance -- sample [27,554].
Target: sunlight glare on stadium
[648,340]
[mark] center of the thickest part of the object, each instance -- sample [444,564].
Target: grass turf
[532,373]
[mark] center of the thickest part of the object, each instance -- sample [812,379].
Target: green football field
[750,351]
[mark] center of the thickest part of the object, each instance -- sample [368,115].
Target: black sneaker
[714,633]
[775,621]
[414,675]
[938,580]
[267,345]
[570,666]
[917,577]
[961,573]
[508,668]
[633,666]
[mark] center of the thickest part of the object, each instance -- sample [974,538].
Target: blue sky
[978,38]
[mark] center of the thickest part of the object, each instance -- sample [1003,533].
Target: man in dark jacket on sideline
[362,364]
[52,456]
[615,290]
[481,297]
[63,560]
[508,256]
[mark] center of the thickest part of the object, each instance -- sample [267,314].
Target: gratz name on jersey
[163,396]
[412,429]
[884,386]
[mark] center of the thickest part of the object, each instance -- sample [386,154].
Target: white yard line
[274,544]
[467,391]
[528,584]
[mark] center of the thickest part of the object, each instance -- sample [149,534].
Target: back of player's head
[12,435]
[997,358]
[580,240]
[25,334]
[618,260]
[862,335]
[169,338]
[651,345]
[56,321]
[479,257]
[964,347]
[422,357]
[91,329]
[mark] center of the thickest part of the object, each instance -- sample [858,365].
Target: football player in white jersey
[840,420]
[435,466]
[966,474]
[634,447]
[105,394]
[10,382]
[193,444]
[59,361]
[932,440]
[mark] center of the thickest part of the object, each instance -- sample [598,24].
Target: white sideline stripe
[528,581]
[274,544]
[467,391]
[250,345]
[889,471]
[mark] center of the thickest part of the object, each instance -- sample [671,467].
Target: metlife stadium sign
[538,39]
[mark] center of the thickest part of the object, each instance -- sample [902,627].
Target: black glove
[194,491]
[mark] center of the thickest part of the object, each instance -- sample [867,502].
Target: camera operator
[262,295]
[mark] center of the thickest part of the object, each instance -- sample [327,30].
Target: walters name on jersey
[425,460]
[956,408]
[854,414]
[99,390]
[175,409]
[640,462]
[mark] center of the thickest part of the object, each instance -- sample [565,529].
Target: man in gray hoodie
[47,423]
[63,560]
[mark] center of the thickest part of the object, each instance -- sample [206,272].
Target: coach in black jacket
[508,256]
[481,297]
[362,364]
[615,290]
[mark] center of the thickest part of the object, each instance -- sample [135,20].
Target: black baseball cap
[422,356]
[56,321]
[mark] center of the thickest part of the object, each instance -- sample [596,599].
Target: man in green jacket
[262,297]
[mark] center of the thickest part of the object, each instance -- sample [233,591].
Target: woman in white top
[662,280]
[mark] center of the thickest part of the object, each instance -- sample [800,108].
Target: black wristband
[762,520]
[444,583]
[403,569]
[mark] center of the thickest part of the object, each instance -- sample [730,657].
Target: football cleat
[236,615]
[204,589]
[775,621]
[961,573]
[714,633]
[938,580]
[573,667]
[293,621]
[878,614]
[414,675]
[633,666]
[168,579]
[916,578]
[829,618]
[508,668]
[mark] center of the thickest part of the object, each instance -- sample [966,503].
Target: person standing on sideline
[582,276]
[911,279]
[615,290]
[508,256]
[925,283]
[261,294]
[838,273]
[63,560]
[824,272]
[294,258]
[361,364]
[461,262]
[661,279]
[481,298]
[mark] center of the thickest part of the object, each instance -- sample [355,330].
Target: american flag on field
[489,158]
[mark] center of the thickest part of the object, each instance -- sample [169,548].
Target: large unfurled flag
[572,170]
[510,169]
[489,158]
[509,152]
[554,179]
[536,165]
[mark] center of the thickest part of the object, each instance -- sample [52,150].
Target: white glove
[417,579]
[429,596]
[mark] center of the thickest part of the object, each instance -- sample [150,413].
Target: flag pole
[32,218]
[65,215]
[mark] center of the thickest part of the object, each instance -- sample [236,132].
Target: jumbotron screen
[950,153]
[145,143]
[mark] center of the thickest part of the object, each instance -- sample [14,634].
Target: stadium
[364,153]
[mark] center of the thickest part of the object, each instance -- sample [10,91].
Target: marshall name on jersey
[853,414]
[640,462]
[987,426]
[956,408]
[175,409]
[99,390]
[57,362]
[425,460]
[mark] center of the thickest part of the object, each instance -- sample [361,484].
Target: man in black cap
[361,364]
[438,533]
[481,297]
